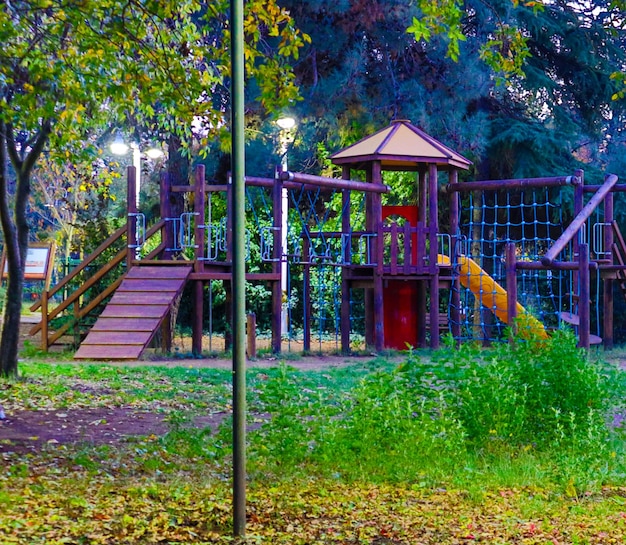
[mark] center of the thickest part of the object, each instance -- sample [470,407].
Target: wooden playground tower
[401,279]
[402,265]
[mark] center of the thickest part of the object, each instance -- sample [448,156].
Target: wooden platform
[574,320]
[134,313]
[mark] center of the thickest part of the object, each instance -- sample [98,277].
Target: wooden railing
[402,249]
[83,307]
[619,256]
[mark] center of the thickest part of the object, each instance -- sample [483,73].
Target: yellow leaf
[570,489]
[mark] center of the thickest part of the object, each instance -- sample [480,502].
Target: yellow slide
[491,294]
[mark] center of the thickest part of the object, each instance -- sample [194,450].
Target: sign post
[39,263]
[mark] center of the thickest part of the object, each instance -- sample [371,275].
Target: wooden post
[422,207]
[198,286]
[379,326]
[44,320]
[198,312]
[433,229]
[377,215]
[199,205]
[229,220]
[371,225]
[76,328]
[434,311]
[422,286]
[579,196]
[584,300]
[455,295]
[511,287]
[251,335]
[228,307]
[607,294]
[228,288]
[346,231]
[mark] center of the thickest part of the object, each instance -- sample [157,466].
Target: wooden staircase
[574,321]
[135,312]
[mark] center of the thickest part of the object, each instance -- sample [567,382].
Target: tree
[66,196]
[67,68]
[535,80]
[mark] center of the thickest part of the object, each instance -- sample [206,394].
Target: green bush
[387,433]
[446,416]
[527,392]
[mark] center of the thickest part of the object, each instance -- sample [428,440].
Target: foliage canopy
[69,68]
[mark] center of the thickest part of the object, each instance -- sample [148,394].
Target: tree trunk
[178,172]
[15,231]
[9,342]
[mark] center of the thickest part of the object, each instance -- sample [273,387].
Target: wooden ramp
[134,313]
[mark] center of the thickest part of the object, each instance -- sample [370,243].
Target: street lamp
[119,147]
[286,124]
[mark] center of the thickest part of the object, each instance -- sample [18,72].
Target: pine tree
[532,83]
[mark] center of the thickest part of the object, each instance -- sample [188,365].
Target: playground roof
[400,146]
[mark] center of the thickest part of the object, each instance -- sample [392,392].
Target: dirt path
[31,431]
[27,431]
[291,353]
[312,363]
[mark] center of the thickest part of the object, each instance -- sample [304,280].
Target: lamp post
[286,125]
[119,147]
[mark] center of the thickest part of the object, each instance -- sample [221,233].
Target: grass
[512,444]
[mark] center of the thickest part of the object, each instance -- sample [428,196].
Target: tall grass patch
[450,417]
[535,392]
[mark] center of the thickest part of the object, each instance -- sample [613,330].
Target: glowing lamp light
[154,153]
[118,146]
[286,123]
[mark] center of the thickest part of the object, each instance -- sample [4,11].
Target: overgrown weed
[532,413]
[514,440]
[517,414]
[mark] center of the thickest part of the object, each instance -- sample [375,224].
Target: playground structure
[508,255]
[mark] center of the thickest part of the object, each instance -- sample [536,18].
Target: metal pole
[238,273]
[137,165]
[284,215]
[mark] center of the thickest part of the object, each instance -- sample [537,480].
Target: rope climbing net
[532,219]
[314,228]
